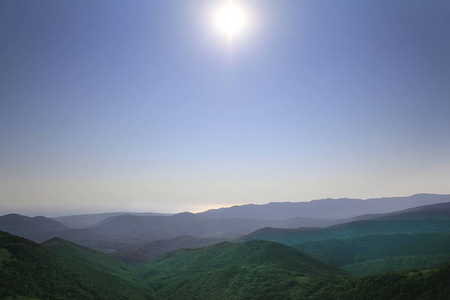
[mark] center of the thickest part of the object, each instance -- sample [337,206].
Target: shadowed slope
[29,269]
[30,228]
[229,270]
[86,255]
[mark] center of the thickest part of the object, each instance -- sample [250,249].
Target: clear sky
[146,106]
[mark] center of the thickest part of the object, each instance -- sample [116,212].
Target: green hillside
[86,255]
[256,268]
[252,270]
[340,252]
[399,263]
[241,281]
[30,270]
[432,284]
[249,253]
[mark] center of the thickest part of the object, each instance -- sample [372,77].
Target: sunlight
[230,19]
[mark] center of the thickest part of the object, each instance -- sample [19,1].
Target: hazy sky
[146,106]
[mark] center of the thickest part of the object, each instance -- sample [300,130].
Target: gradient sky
[144,106]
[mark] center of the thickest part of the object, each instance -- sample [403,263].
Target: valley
[402,254]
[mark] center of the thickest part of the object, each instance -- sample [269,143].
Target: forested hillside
[59,269]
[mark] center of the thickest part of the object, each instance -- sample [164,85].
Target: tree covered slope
[340,252]
[28,269]
[396,263]
[352,229]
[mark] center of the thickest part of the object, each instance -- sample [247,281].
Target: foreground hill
[249,253]
[28,269]
[326,208]
[264,270]
[29,227]
[253,270]
[430,284]
[256,269]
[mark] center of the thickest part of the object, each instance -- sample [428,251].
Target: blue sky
[145,106]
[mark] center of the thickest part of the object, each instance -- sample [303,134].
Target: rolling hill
[29,227]
[88,256]
[28,269]
[258,269]
[188,224]
[396,263]
[249,253]
[264,270]
[347,230]
[59,269]
[341,252]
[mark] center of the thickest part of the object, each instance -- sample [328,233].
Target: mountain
[326,208]
[188,224]
[437,211]
[255,269]
[248,253]
[341,252]
[29,227]
[88,220]
[87,256]
[264,270]
[59,269]
[28,269]
[347,230]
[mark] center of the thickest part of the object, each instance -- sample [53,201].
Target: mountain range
[342,208]
[401,254]
[134,236]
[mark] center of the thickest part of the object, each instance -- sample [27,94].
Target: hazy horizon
[80,211]
[147,106]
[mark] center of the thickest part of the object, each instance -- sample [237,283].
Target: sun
[230,19]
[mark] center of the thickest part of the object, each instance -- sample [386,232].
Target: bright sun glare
[230,19]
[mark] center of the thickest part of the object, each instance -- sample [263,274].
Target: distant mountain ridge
[325,208]
[440,210]
[189,224]
[29,227]
[87,220]
[126,233]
